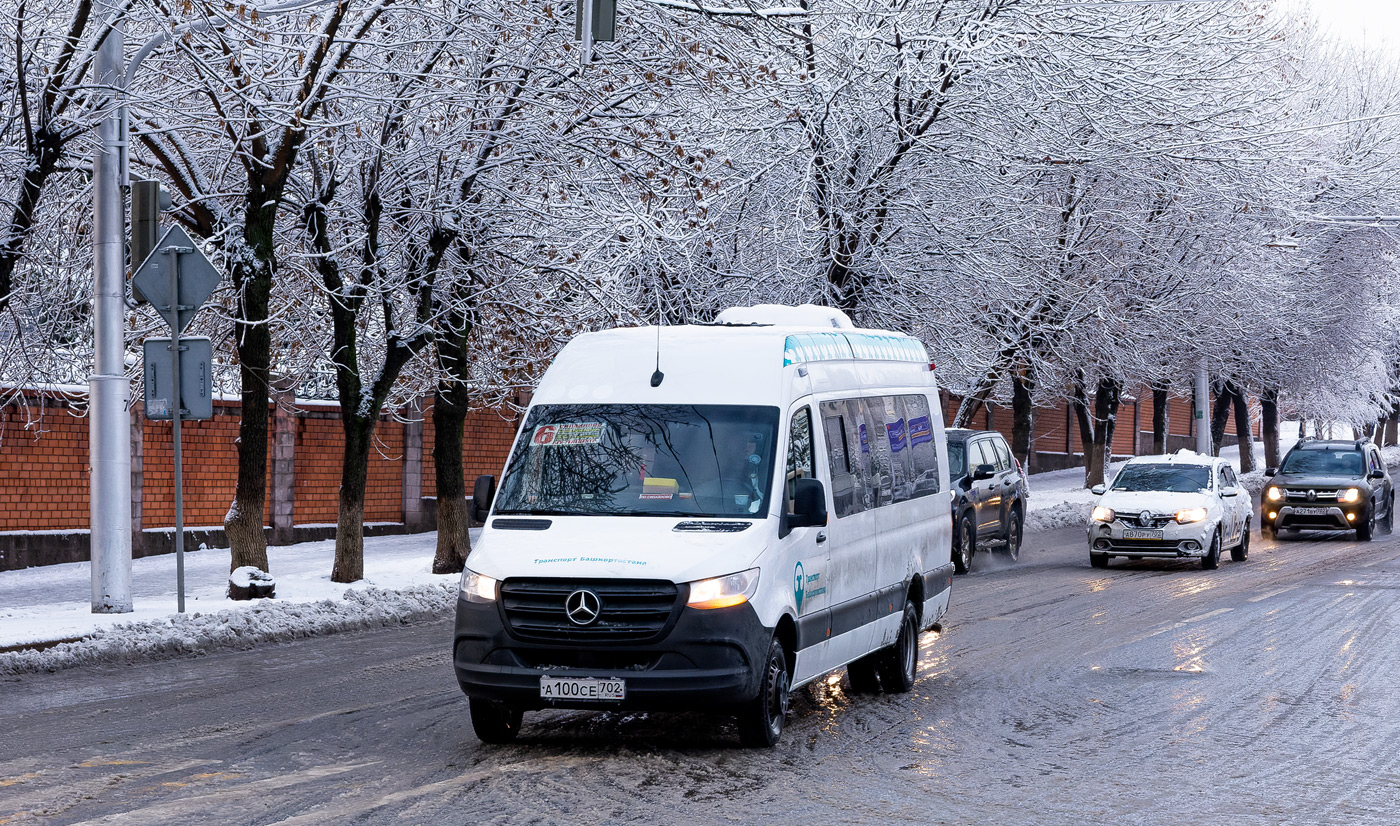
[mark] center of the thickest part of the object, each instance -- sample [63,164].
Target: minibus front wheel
[761,719]
[493,721]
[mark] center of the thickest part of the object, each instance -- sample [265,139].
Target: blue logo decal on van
[799,586]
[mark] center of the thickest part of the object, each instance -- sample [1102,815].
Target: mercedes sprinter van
[709,516]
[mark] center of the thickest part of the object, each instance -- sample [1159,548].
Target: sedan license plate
[581,688]
[1141,534]
[1310,511]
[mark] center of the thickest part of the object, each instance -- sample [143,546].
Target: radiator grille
[630,610]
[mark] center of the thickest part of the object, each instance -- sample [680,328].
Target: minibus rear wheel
[761,719]
[899,664]
[494,722]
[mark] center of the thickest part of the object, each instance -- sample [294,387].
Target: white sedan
[1170,507]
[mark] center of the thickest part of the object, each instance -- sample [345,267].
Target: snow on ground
[53,602]
[39,606]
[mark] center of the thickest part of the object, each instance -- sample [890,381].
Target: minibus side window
[901,461]
[880,473]
[800,458]
[842,443]
[923,454]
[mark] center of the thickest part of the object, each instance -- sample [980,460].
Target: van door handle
[821,536]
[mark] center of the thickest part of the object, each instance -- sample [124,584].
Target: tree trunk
[1242,429]
[1106,398]
[967,409]
[1268,408]
[450,403]
[1080,403]
[244,523]
[1219,417]
[454,542]
[1022,417]
[350,524]
[1161,419]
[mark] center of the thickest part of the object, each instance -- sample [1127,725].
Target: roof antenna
[658,375]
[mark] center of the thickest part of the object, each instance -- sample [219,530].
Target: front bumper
[1338,517]
[708,659]
[1177,540]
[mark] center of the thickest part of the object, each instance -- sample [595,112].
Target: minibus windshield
[642,460]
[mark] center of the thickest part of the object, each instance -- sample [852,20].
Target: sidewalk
[43,610]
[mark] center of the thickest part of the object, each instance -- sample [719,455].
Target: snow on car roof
[1181,457]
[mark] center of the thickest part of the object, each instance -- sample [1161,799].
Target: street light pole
[109,440]
[1202,407]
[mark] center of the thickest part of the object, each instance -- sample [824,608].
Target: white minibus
[709,516]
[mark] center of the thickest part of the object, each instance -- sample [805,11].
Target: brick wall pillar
[138,454]
[414,517]
[284,449]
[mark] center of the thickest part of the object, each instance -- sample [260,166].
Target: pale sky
[1371,21]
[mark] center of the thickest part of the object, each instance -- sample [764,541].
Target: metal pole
[587,56]
[1202,407]
[176,403]
[109,439]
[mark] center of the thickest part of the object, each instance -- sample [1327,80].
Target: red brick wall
[1051,428]
[44,474]
[209,470]
[384,481]
[1179,411]
[487,436]
[43,468]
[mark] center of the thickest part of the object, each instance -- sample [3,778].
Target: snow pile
[263,622]
[1058,515]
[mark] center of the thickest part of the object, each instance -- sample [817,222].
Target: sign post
[177,293]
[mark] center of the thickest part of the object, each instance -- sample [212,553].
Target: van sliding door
[858,485]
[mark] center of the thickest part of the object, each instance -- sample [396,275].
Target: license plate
[1310,511]
[1140,534]
[581,688]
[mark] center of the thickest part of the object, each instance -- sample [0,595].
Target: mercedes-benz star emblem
[583,607]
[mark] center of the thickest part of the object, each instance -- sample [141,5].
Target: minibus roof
[709,364]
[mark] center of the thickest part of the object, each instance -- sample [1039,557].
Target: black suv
[1328,485]
[989,495]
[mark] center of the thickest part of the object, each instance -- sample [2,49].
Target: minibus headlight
[478,588]
[1351,495]
[1102,514]
[724,591]
[1189,515]
[1275,495]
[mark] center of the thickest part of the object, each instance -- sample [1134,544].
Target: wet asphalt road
[1264,692]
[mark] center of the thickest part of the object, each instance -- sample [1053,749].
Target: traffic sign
[195,273]
[196,385]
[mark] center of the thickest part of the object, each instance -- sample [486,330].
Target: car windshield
[642,460]
[1323,462]
[1163,477]
[957,460]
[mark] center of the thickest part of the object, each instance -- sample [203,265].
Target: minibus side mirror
[482,492]
[808,504]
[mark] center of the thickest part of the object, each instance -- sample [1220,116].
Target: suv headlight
[723,591]
[1102,514]
[1274,494]
[1350,495]
[1188,515]
[478,588]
